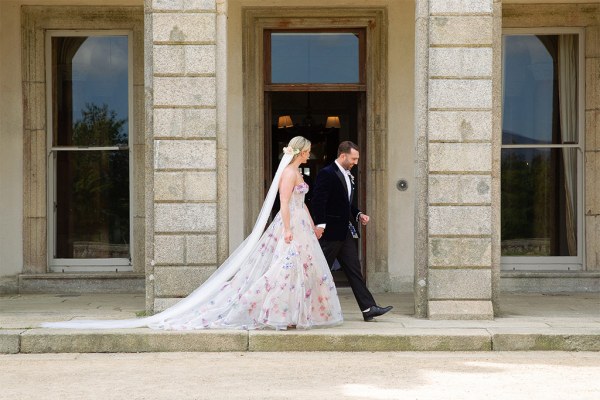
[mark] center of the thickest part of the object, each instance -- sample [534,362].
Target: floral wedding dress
[281,284]
[265,283]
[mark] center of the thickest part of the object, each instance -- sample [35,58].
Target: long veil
[210,287]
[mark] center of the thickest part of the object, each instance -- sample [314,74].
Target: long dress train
[265,282]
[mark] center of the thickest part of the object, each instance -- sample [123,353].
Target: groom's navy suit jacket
[330,204]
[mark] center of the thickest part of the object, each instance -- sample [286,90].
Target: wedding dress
[265,282]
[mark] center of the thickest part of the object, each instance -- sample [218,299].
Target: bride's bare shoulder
[289,171]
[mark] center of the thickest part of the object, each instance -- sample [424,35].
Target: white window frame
[85,264]
[557,263]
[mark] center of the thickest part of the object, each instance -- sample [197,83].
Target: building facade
[138,139]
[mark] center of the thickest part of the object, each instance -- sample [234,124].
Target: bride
[276,279]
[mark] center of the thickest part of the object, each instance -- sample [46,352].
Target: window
[318,57]
[541,160]
[89,164]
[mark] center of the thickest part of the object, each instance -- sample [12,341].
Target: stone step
[549,281]
[78,283]
[334,339]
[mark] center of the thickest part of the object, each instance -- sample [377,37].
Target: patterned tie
[352,230]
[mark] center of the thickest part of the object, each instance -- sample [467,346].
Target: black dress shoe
[375,311]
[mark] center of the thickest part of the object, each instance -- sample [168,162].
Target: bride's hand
[287,236]
[318,232]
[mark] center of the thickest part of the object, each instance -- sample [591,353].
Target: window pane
[90,91]
[540,89]
[92,204]
[539,191]
[314,58]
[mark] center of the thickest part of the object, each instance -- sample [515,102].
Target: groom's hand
[364,219]
[288,236]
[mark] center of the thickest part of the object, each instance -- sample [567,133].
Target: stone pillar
[592,134]
[182,130]
[456,121]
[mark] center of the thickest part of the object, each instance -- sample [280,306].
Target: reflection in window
[92,194]
[539,184]
[539,72]
[535,209]
[324,57]
[89,72]
[90,108]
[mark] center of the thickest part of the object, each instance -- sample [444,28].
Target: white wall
[11,141]
[401,88]
[400,123]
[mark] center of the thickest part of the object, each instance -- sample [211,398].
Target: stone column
[589,16]
[457,149]
[182,129]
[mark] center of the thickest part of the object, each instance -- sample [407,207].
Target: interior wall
[400,149]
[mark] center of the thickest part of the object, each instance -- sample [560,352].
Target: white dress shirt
[346,174]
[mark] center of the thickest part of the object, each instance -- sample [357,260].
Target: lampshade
[285,121]
[332,122]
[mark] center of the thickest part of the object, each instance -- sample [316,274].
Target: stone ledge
[332,339]
[549,281]
[130,341]
[10,341]
[77,283]
[415,340]
[551,341]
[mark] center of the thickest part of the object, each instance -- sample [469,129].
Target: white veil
[210,287]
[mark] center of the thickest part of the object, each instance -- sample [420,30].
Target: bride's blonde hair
[299,144]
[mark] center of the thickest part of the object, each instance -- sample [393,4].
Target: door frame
[374,20]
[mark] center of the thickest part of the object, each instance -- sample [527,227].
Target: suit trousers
[346,253]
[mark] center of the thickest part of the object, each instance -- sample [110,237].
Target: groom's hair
[345,147]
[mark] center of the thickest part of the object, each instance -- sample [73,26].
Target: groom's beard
[346,165]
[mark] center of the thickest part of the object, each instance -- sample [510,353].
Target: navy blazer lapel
[342,180]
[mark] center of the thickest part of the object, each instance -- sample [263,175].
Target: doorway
[328,52]
[326,119]
[315,87]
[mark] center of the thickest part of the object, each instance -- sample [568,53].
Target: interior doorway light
[332,122]
[285,121]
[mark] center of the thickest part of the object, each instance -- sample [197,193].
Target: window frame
[557,263]
[85,264]
[328,87]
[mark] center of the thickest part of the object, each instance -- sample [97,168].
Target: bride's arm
[286,187]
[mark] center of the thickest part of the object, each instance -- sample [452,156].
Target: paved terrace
[527,322]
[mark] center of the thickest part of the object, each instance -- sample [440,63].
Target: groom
[333,214]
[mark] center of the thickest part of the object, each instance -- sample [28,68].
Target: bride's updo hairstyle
[298,144]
